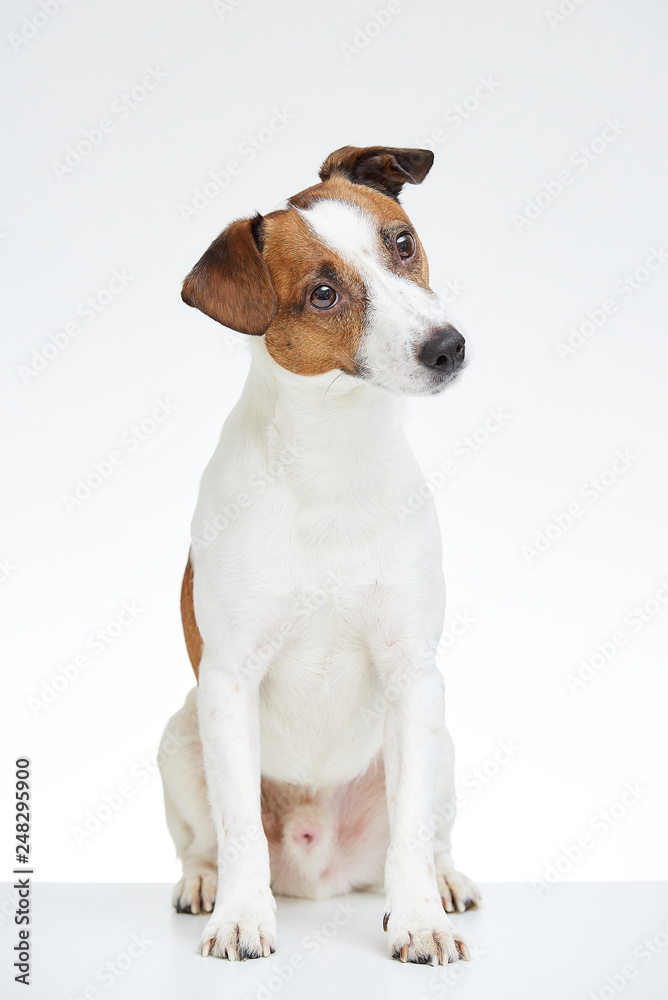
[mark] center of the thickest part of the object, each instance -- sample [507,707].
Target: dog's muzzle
[444,352]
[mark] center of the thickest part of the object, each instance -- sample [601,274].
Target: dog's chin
[444,381]
[418,383]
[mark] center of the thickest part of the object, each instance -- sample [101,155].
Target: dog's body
[312,604]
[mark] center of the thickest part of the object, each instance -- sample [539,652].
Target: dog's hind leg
[187,808]
[458,892]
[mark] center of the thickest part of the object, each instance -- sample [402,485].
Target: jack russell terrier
[312,757]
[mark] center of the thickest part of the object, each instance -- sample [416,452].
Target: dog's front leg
[243,923]
[418,927]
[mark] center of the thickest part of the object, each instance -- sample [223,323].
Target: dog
[312,757]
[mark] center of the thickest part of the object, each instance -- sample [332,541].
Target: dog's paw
[196,892]
[425,937]
[245,931]
[458,892]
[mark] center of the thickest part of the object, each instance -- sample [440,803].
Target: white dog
[312,757]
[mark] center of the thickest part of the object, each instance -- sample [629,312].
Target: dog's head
[338,279]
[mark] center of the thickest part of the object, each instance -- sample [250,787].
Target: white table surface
[580,940]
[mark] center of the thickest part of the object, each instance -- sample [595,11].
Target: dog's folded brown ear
[231,282]
[380,167]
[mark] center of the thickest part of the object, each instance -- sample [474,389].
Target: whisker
[331,384]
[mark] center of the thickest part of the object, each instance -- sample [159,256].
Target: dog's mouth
[447,379]
[425,367]
[416,383]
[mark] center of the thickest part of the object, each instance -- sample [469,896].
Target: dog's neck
[336,428]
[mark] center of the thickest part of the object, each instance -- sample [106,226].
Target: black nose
[444,351]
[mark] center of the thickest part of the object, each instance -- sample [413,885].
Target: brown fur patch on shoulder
[191,632]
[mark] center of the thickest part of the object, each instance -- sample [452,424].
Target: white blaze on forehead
[401,314]
[355,236]
[347,229]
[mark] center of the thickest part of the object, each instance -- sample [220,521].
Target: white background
[553,87]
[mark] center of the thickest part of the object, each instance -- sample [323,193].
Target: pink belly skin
[328,842]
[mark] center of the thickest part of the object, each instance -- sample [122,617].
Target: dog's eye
[324,297]
[405,245]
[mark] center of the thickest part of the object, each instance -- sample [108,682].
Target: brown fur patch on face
[309,341]
[299,338]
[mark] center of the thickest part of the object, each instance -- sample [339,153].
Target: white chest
[306,573]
